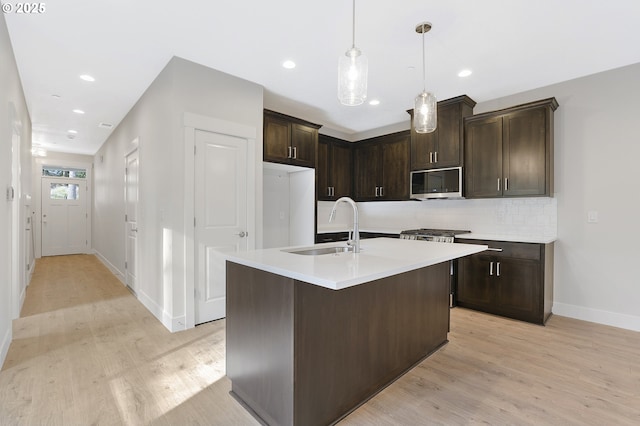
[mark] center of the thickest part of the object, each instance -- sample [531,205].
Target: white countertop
[379,258]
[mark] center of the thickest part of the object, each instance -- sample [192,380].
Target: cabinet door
[525,152]
[277,135]
[341,167]
[449,137]
[483,158]
[303,144]
[323,170]
[422,147]
[518,289]
[474,282]
[395,169]
[367,166]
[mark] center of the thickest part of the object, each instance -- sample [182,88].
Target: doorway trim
[191,123]
[134,146]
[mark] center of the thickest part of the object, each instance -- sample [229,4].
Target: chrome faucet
[354,239]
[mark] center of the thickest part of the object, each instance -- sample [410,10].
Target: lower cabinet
[511,279]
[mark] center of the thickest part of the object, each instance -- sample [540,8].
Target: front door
[221,216]
[131,220]
[64,216]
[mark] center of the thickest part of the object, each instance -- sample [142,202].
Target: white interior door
[64,216]
[221,216]
[131,219]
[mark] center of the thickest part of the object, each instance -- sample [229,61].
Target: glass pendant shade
[425,112]
[352,77]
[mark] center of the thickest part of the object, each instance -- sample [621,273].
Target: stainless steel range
[437,235]
[440,236]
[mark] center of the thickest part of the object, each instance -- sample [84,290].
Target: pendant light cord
[353,35]
[424,73]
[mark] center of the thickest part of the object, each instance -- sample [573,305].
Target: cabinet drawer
[531,251]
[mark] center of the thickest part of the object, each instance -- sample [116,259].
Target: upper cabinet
[444,147]
[381,168]
[289,140]
[333,171]
[509,153]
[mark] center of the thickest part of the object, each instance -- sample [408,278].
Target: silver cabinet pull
[435,156]
[376,191]
[382,191]
[491,268]
[506,184]
[498,184]
[295,152]
[494,249]
[430,157]
[289,152]
[242,234]
[134,229]
[498,269]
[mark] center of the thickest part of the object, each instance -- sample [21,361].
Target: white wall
[157,121]
[15,122]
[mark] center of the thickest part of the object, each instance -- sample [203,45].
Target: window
[64,172]
[65,191]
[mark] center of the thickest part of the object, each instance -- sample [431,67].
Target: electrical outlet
[592,216]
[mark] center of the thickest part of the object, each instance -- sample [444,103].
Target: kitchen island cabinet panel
[343,346]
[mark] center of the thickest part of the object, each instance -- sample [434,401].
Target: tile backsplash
[525,217]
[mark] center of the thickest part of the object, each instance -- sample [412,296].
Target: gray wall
[157,121]
[12,108]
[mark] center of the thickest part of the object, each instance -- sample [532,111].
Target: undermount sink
[322,250]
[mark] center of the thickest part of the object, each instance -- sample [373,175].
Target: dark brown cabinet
[509,279]
[509,153]
[444,147]
[381,168]
[333,170]
[289,140]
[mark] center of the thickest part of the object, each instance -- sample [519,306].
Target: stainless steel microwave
[436,183]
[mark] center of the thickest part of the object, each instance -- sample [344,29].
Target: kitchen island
[310,338]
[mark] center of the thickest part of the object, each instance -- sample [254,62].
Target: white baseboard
[115,271]
[629,322]
[6,342]
[172,324]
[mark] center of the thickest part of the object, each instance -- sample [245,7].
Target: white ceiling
[511,46]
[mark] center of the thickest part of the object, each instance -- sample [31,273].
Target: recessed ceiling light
[78,111]
[87,77]
[105,125]
[374,102]
[75,132]
[289,64]
[464,73]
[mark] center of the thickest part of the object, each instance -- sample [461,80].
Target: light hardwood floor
[85,352]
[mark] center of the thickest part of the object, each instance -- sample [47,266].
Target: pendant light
[425,111]
[352,72]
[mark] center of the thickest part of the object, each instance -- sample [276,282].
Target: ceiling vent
[105,125]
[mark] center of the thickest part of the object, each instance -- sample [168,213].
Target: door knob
[242,234]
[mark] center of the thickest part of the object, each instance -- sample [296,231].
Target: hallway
[85,351]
